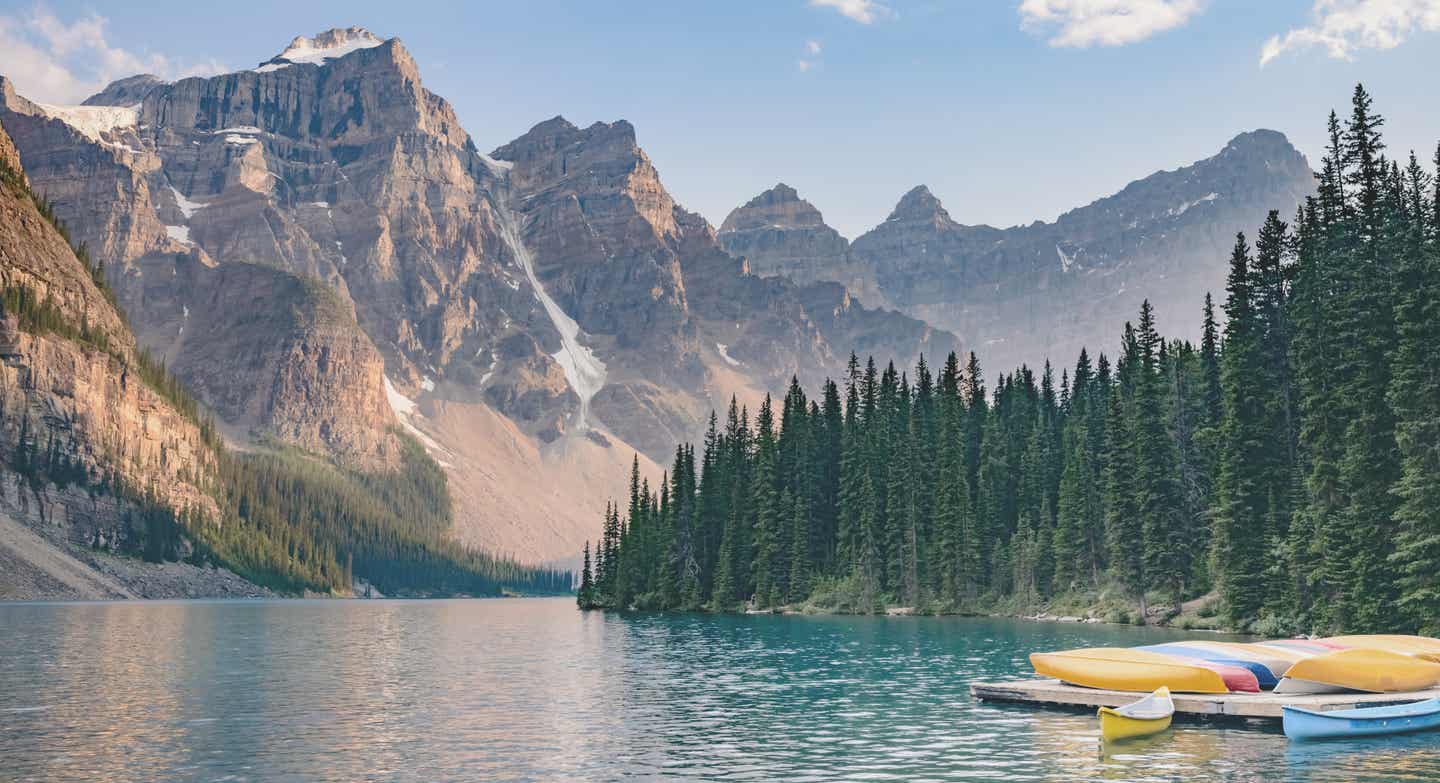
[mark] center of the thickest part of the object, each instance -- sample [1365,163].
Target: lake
[531,689]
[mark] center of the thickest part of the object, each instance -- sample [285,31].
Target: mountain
[782,234]
[93,441]
[305,239]
[1028,293]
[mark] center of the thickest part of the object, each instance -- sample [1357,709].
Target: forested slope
[1288,462]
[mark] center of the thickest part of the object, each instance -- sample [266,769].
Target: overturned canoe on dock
[1204,656]
[1377,671]
[1125,669]
[1376,664]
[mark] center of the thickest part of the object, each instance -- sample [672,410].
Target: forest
[1286,469]
[290,521]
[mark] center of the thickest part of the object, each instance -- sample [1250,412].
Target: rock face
[1044,290]
[90,164]
[125,92]
[781,234]
[275,355]
[650,284]
[553,291]
[81,402]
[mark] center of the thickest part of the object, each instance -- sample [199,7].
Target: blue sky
[1010,110]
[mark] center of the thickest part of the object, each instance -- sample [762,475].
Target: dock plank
[1258,706]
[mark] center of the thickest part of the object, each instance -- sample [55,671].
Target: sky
[1009,110]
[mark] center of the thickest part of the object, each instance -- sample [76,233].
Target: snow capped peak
[328,45]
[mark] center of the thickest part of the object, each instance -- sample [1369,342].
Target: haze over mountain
[1028,293]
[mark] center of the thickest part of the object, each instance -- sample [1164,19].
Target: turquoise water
[533,690]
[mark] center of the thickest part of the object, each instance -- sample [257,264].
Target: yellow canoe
[1120,669]
[1418,646]
[1360,669]
[1150,715]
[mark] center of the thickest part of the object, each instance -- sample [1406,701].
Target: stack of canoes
[1377,664]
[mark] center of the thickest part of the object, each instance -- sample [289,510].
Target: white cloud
[1346,26]
[812,47]
[804,65]
[57,62]
[1084,23]
[862,11]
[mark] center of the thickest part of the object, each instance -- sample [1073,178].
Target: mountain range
[1041,291]
[328,261]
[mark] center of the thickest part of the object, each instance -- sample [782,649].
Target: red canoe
[1237,678]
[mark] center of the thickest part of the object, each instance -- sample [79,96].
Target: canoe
[1291,686]
[1418,646]
[1121,669]
[1149,715]
[1308,646]
[1264,678]
[1275,659]
[1378,671]
[1363,722]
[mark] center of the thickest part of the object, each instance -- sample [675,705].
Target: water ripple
[533,690]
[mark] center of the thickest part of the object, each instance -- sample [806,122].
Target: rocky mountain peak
[1268,150]
[781,234]
[779,207]
[919,204]
[327,45]
[125,92]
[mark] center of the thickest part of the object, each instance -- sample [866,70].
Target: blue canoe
[1364,722]
[1263,675]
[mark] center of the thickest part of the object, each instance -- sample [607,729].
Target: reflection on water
[533,690]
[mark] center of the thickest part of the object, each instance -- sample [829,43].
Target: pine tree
[584,598]
[1242,509]
[1124,540]
[1158,496]
[1414,395]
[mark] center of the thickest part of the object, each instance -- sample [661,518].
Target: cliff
[90,435]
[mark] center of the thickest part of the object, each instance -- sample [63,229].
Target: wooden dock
[1240,706]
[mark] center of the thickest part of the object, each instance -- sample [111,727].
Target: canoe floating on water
[1364,722]
[1377,671]
[1150,715]
[1122,669]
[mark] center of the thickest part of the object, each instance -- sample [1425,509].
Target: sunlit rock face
[73,402]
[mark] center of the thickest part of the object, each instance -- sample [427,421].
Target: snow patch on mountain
[583,371]
[94,121]
[1066,260]
[329,45]
[497,166]
[725,354]
[187,207]
[1185,207]
[403,407]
